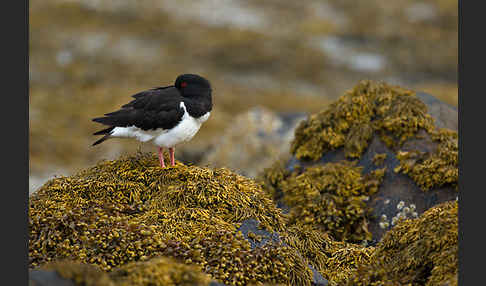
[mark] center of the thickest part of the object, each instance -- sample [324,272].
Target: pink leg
[172,157]
[161,157]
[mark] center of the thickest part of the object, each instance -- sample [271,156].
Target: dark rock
[397,187]
[47,278]
[251,226]
[214,283]
[218,198]
[398,194]
[317,279]
[428,242]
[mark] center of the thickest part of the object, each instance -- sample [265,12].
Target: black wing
[154,90]
[151,109]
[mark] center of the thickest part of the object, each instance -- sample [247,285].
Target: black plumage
[161,107]
[151,109]
[106,132]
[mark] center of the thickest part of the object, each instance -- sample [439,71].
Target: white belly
[184,131]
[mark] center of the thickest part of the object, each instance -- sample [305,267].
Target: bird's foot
[172,156]
[161,157]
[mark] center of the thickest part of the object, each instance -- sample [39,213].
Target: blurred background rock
[270,63]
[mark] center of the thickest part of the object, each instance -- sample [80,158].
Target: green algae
[331,196]
[433,169]
[396,114]
[130,210]
[422,251]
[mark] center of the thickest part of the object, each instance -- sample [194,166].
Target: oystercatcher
[166,116]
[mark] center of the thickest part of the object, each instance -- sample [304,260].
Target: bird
[164,116]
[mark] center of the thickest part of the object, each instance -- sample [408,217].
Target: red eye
[183,84]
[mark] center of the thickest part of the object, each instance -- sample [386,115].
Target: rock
[336,261]
[317,279]
[398,195]
[47,278]
[160,271]
[213,283]
[119,215]
[421,251]
[157,271]
[259,237]
[405,163]
[259,135]
[445,115]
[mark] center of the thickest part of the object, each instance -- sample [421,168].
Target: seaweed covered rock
[298,238]
[47,278]
[131,210]
[156,271]
[421,251]
[159,270]
[375,155]
[336,261]
[331,196]
[68,272]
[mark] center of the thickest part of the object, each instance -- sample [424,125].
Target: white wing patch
[136,133]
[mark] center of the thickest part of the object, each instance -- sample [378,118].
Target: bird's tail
[107,132]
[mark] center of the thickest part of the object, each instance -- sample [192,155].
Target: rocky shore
[366,194]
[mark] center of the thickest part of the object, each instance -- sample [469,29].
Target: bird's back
[175,111]
[150,110]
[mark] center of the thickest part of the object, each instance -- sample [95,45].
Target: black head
[192,84]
